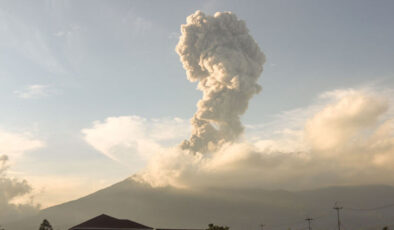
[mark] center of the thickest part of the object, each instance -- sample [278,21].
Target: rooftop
[105,222]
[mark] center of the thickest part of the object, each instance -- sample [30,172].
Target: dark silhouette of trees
[45,225]
[217,227]
[385,228]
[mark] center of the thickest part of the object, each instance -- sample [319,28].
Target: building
[105,222]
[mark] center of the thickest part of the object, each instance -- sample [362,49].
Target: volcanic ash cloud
[219,53]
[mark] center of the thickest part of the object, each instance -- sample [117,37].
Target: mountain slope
[238,208]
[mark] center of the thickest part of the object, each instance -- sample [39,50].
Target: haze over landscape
[179,114]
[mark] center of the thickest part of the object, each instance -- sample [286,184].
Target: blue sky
[66,64]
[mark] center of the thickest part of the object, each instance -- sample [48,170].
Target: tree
[386,228]
[45,225]
[217,227]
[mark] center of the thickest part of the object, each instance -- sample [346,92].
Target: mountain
[240,209]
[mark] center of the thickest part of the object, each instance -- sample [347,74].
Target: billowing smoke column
[219,53]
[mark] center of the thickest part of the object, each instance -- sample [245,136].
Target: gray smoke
[219,52]
[11,188]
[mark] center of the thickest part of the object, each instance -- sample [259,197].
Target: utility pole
[309,222]
[338,208]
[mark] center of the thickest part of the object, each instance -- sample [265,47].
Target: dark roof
[108,222]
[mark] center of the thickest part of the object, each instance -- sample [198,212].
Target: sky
[91,90]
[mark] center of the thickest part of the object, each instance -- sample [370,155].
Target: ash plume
[219,53]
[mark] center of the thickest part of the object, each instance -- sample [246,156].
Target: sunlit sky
[66,64]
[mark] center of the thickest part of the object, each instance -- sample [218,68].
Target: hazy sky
[67,66]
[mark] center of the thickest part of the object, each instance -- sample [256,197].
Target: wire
[324,215]
[289,224]
[370,209]
[372,226]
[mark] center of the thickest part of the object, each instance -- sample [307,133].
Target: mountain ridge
[168,207]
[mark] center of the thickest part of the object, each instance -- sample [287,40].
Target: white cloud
[11,189]
[16,144]
[34,91]
[346,138]
[126,139]
[339,122]
[12,146]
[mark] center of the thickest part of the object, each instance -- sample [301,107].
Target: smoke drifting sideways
[344,138]
[219,53]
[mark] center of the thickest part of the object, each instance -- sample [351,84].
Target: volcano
[169,207]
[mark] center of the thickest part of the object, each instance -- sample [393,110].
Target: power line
[338,208]
[378,226]
[324,215]
[370,209]
[309,222]
[295,223]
